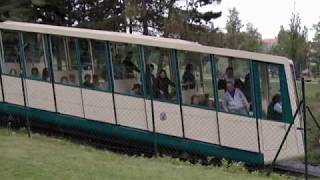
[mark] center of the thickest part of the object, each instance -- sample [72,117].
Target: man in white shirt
[234,100]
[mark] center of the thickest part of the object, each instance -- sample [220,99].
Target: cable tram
[211,101]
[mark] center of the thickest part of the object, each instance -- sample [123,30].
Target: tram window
[36,62]
[11,51]
[196,79]
[159,78]
[234,86]
[65,66]
[271,100]
[94,72]
[126,71]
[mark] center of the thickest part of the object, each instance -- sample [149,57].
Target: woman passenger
[234,100]
[275,108]
[161,85]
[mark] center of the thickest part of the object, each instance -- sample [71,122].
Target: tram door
[130,104]
[162,107]
[270,101]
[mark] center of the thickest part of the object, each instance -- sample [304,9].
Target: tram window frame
[67,68]
[135,51]
[93,65]
[286,116]
[198,73]
[217,70]
[19,69]
[170,66]
[42,60]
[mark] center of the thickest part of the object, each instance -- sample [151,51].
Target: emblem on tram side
[163,116]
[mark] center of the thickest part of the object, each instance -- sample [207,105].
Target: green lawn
[42,158]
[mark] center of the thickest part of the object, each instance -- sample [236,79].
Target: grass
[42,157]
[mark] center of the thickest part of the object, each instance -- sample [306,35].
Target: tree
[251,39]
[315,46]
[233,27]
[293,43]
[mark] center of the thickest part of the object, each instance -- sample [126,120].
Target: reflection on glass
[11,51]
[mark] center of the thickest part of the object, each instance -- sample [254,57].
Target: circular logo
[163,116]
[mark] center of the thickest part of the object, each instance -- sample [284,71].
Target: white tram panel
[12,87]
[69,100]
[40,95]
[131,111]
[98,105]
[167,118]
[238,131]
[200,124]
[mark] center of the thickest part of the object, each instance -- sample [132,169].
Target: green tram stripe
[106,129]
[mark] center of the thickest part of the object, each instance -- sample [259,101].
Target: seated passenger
[161,85]
[64,80]
[45,74]
[95,82]
[234,100]
[136,90]
[130,67]
[229,76]
[195,100]
[72,79]
[13,72]
[188,79]
[35,73]
[87,81]
[275,108]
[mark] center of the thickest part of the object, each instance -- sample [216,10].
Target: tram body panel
[98,105]
[40,95]
[271,136]
[124,85]
[167,118]
[131,111]
[238,131]
[69,100]
[12,87]
[200,124]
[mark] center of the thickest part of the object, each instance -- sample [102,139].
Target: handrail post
[305,130]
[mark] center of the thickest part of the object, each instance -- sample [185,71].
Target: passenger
[64,80]
[195,100]
[161,85]
[188,79]
[87,81]
[234,100]
[72,79]
[229,76]
[95,82]
[247,87]
[35,73]
[45,74]
[136,90]
[149,78]
[13,72]
[275,108]
[130,67]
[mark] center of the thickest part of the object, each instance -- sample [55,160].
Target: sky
[269,15]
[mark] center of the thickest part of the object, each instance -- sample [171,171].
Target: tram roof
[139,39]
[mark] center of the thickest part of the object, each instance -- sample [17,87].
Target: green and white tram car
[78,78]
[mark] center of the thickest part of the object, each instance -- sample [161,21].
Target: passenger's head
[87,78]
[195,99]
[72,78]
[189,67]
[162,74]
[229,72]
[230,86]
[34,72]
[276,98]
[95,78]
[64,80]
